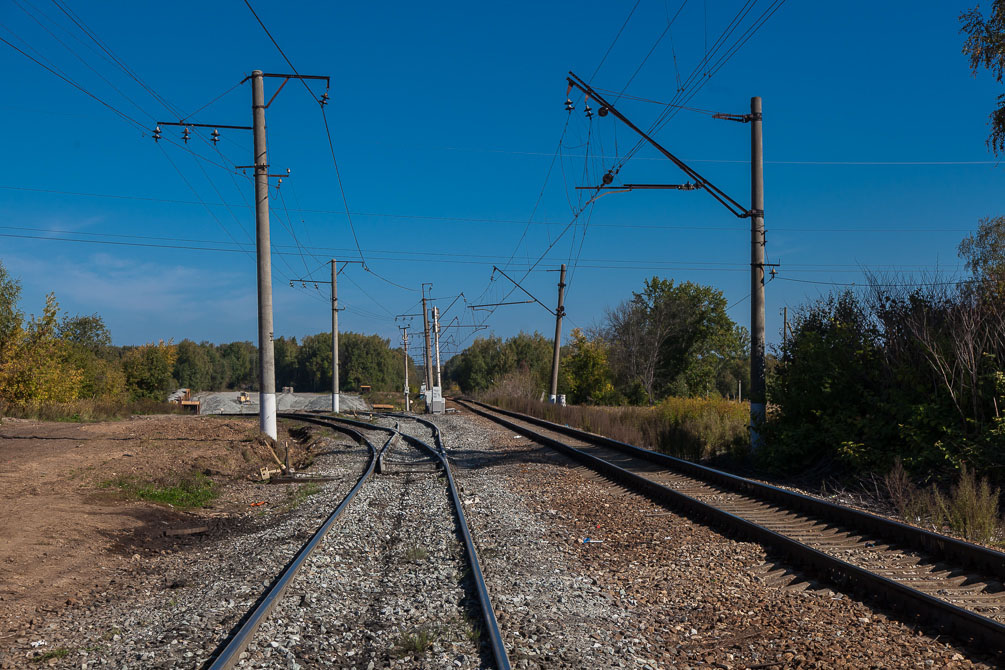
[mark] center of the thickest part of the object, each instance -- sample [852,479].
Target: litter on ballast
[590,540]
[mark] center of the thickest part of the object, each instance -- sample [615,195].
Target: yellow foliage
[34,366]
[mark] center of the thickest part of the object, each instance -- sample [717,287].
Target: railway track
[227,654]
[924,577]
[438,452]
[417,462]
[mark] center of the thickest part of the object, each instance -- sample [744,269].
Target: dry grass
[970,509]
[88,410]
[692,428]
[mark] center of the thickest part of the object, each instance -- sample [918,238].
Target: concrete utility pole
[335,388]
[266,353]
[785,325]
[436,332]
[756,393]
[427,352]
[559,313]
[404,350]
[757,383]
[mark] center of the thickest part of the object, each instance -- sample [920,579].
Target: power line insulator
[186,135]
[215,136]
[589,111]
[157,134]
[324,99]
[603,111]
[568,105]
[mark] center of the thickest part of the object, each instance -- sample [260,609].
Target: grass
[969,509]
[692,428]
[186,491]
[90,410]
[61,652]
[416,554]
[296,496]
[415,644]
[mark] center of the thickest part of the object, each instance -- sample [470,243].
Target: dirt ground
[66,532]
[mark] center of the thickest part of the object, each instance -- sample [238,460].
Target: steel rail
[227,654]
[949,548]
[911,604]
[488,614]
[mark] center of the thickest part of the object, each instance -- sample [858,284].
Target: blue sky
[445,119]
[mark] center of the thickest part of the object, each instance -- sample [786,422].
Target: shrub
[694,428]
[971,508]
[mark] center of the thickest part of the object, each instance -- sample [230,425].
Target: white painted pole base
[335,403]
[267,414]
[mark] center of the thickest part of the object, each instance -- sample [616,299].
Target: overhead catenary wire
[651,50]
[616,38]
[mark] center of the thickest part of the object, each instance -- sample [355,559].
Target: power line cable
[78,56]
[651,50]
[74,84]
[324,117]
[129,72]
[191,114]
[616,37]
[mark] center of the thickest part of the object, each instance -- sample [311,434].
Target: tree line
[669,339]
[59,358]
[906,370]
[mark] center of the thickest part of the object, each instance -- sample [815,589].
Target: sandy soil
[65,534]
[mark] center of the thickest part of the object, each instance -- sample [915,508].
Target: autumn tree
[148,370]
[587,371]
[34,363]
[985,47]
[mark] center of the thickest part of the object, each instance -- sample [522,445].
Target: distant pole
[436,333]
[404,350]
[335,388]
[427,352]
[785,325]
[266,353]
[559,313]
[757,391]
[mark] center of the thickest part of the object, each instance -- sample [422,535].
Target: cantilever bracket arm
[517,284]
[729,203]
